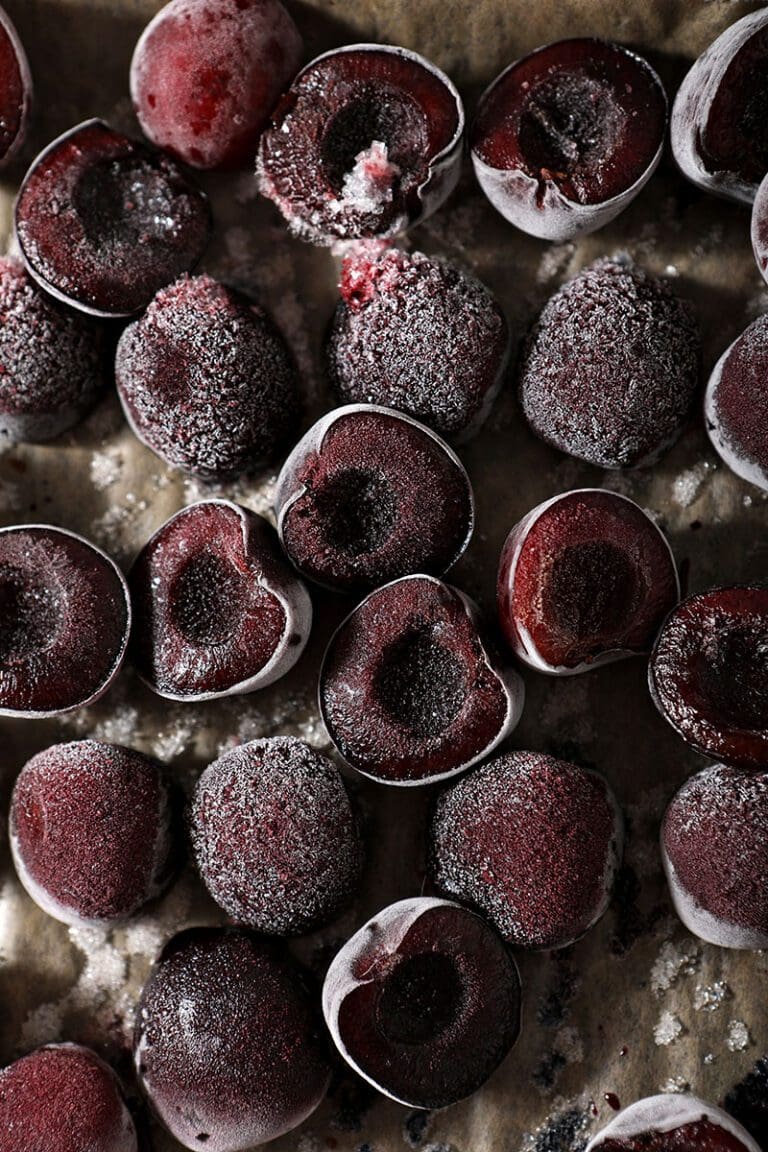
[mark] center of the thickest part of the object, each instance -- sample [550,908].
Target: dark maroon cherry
[760,228]
[423,1002]
[274,836]
[673,1123]
[714,843]
[66,617]
[351,503]
[736,405]
[531,842]
[206,74]
[103,222]
[217,609]
[53,361]
[365,142]
[91,831]
[585,578]
[409,691]
[229,1046]
[15,90]
[719,125]
[63,1098]
[206,380]
[565,138]
[609,370]
[420,335]
[709,673]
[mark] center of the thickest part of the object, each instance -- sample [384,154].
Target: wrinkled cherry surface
[709,673]
[581,576]
[65,619]
[104,222]
[531,842]
[352,143]
[609,370]
[367,497]
[15,89]
[63,1098]
[206,74]
[90,828]
[229,1047]
[424,1001]
[207,381]
[737,404]
[417,334]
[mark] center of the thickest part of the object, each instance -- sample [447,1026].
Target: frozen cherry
[104,221]
[365,142]
[274,836]
[350,500]
[53,361]
[63,1098]
[420,335]
[531,842]
[15,90]
[66,617]
[217,609]
[206,74]
[610,368]
[229,1046]
[719,124]
[736,404]
[565,138]
[585,578]
[207,381]
[423,1002]
[760,228]
[714,843]
[409,691]
[673,1123]
[91,831]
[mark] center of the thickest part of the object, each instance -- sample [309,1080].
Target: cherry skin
[672,1123]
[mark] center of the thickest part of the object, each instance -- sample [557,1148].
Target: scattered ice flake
[668,1029]
[689,483]
[710,997]
[672,962]
[710,1058]
[106,468]
[738,1038]
[675,1086]
[175,737]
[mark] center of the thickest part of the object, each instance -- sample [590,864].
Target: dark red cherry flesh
[15,90]
[673,1123]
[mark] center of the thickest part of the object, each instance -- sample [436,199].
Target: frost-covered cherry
[206,74]
[103,221]
[66,616]
[418,334]
[759,228]
[566,137]
[423,1002]
[719,124]
[15,90]
[585,578]
[91,831]
[365,142]
[217,610]
[274,836]
[351,504]
[736,405]
[207,381]
[229,1044]
[610,368]
[714,844]
[531,842]
[708,673]
[673,1123]
[410,692]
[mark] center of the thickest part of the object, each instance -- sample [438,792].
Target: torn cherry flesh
[673,1123]
[218,611]
[585,578]
[103,221]
[409,691]
[708,673]
[423,1002]
[365,142]
[15,91]
[66,618]
[566,137]
[367,496]
[736,405]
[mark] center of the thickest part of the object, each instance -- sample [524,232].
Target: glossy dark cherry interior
[66,616]
[15,90]
[103,221]
[424,1002]
[229,1046]
[709,673]
[736,408]
[419,335]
